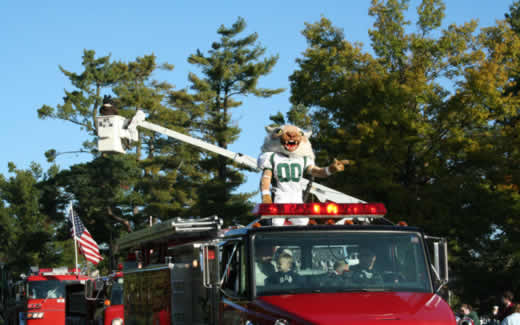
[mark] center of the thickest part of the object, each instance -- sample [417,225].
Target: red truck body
[193,272]
[113,313]
[342,309]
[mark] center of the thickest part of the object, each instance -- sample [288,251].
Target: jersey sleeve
[264,161]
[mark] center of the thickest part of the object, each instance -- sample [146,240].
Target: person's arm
[372,263]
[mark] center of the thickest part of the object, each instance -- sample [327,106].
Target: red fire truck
[194,272]
[349,265]
[48,296]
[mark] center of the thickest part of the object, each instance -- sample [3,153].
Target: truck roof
[323,216]
[362,227]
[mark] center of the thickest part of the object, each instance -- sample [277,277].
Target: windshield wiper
[378,290]
[351,290]
[364,290]
[53,291]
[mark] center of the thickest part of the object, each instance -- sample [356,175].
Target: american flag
[87,245]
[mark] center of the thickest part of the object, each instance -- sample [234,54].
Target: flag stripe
[87,245]
[90,250]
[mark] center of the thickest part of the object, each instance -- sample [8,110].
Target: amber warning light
[321,209]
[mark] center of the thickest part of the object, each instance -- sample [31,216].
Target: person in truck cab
[285,269]
[339,274]
[340,268]
[366,269]
[264,266]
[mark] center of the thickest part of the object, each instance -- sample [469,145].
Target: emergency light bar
[317,210]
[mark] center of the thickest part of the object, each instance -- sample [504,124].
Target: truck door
[76,306]
[234,280]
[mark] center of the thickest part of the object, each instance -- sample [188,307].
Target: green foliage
[513,16]
[430,122]
[297,115]
[80,105]
[116,193]
[231,68]
[26,232]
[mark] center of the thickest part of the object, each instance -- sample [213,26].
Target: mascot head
[289,140]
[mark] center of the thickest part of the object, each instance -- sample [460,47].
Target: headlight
[117,321]
[36,315]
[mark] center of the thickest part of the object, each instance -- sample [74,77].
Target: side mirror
[89,289]
[93,288]
[441,259]
[99,285]
[439,248]
[209,265]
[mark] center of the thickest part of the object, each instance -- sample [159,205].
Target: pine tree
[231,69]
[117,193]
[27,235]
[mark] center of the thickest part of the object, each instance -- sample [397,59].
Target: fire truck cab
[349,265]
[48,296]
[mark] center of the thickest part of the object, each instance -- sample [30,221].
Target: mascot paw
[266,198]
[339,165]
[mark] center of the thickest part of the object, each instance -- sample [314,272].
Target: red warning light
[323,209]
[211,254]
[332,208]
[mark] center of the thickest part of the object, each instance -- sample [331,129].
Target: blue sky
[38,36]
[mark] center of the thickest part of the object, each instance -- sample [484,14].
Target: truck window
[50,289]
[339,262]
[116,292]
[234,270]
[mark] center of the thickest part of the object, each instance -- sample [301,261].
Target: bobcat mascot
[286,156]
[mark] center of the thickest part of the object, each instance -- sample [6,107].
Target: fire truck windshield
[49,289]
[342,261]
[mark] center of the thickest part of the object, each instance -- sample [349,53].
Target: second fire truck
[48,296]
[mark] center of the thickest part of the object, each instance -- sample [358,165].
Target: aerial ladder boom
[113,128]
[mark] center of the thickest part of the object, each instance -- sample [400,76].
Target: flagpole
[74,236]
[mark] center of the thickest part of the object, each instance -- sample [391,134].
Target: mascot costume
[286,156]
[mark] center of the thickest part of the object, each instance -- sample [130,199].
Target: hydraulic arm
[112,128]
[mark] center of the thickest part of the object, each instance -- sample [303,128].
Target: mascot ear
[271,128]
[307,134]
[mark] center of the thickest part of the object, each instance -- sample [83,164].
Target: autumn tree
[423,118]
